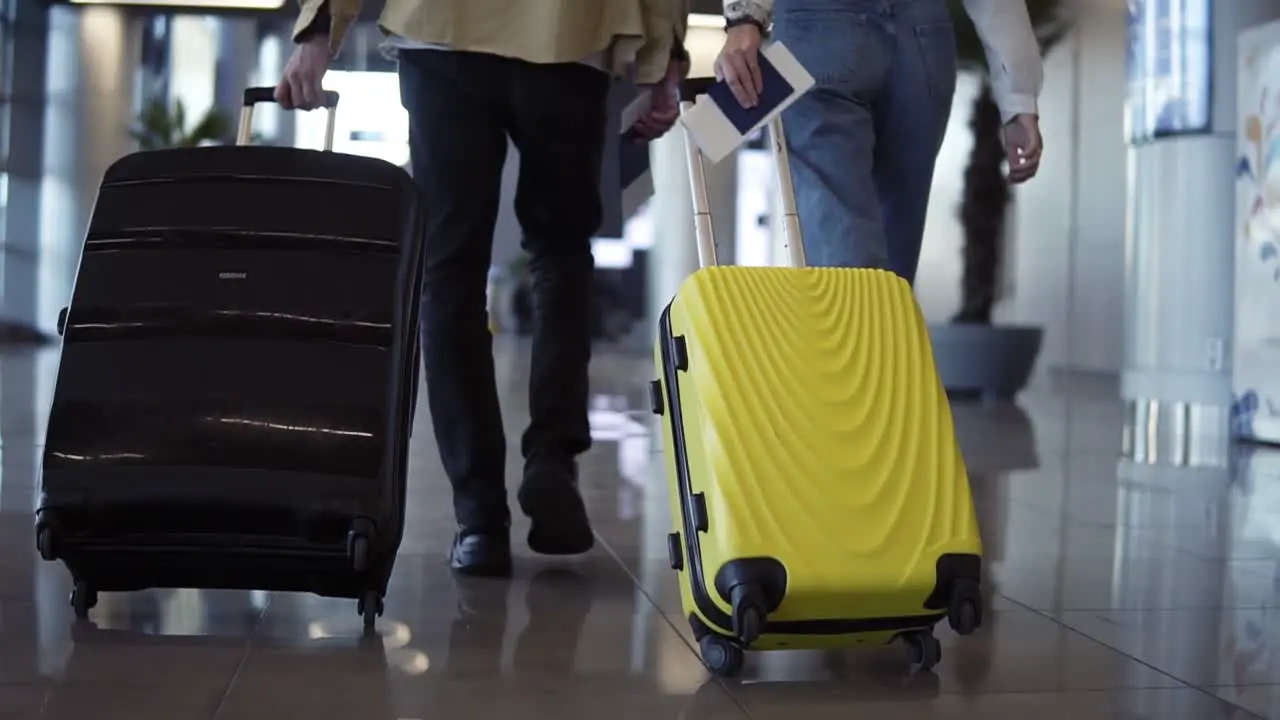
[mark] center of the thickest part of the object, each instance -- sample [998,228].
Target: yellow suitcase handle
[698,181]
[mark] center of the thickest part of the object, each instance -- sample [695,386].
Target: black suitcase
[238,375]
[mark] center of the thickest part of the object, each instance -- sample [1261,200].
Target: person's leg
[558,125]
[458,145]
[830,132]
[911,120]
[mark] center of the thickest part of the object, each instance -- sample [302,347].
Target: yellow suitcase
[818,493]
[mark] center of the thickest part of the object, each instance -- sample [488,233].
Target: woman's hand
[738,65]
[1023,143]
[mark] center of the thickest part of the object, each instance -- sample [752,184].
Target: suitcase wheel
[46,544]
[358,550]
[370,606]
[965,613]
[722,656]
[360,545]
[83,599]
[747,601]
[923,650]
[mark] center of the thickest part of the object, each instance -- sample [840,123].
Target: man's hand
[1023,143]
[664,106]
[738,66]
[300,87]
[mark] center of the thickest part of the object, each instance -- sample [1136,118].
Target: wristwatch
[746,12]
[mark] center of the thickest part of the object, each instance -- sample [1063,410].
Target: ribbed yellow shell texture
[818,430]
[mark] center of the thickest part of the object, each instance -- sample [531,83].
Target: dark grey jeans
[462,108]
[865,140]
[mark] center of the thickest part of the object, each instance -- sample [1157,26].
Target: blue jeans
[865,140]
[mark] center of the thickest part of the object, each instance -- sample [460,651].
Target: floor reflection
[1114,589]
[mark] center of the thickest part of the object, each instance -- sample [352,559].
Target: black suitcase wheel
[83,599]
[370,607]
[965,617]
[722,656]
[360,544]
[748,603]
[358,551]
[46,544]
[923,650]
[965,612]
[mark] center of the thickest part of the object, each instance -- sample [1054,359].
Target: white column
[1179,266]
[777,231]
[722,193]
[675,249]
[93,56]
[20,226]
[193,63]
[238,64]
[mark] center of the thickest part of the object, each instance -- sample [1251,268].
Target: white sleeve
[1013,54]
[759,9]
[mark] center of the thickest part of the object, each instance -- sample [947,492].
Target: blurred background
[1110,333]
[84,83]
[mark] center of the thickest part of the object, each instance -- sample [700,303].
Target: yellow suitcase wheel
[923,650]
[721,655]
[965,613]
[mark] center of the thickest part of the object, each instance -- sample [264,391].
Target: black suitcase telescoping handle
[255,95]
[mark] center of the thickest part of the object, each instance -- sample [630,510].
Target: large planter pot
[990,362]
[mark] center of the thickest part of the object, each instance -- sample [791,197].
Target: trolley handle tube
[255,95]
[794,240]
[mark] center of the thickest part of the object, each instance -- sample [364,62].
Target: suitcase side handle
[255,95]
[691,88]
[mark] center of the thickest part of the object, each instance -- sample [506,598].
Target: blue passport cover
[775,92]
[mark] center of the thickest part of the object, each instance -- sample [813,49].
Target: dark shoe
[481,554]
[557,515]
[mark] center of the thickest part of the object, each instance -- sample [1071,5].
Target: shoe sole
[488,569]
[558,520]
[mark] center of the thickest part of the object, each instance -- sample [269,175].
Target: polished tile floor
[1116,592]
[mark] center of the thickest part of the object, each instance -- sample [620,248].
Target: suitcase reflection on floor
[193,676]
[793,681]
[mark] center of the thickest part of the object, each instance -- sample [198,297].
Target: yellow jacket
[642,32]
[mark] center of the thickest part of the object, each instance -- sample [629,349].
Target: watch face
[739,9]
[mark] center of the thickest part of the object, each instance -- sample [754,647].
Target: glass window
[1170,68]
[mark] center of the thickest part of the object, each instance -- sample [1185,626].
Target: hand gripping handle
[690,89]
[255,95]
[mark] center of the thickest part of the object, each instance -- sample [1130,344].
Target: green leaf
[159,126]
[214,126]
[179,120]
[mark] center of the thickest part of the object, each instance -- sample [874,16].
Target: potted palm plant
[160,125]
[976,357]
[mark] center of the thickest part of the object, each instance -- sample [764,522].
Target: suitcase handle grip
[255,95]
[691,88]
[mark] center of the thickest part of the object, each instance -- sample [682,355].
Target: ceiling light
[193,4]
